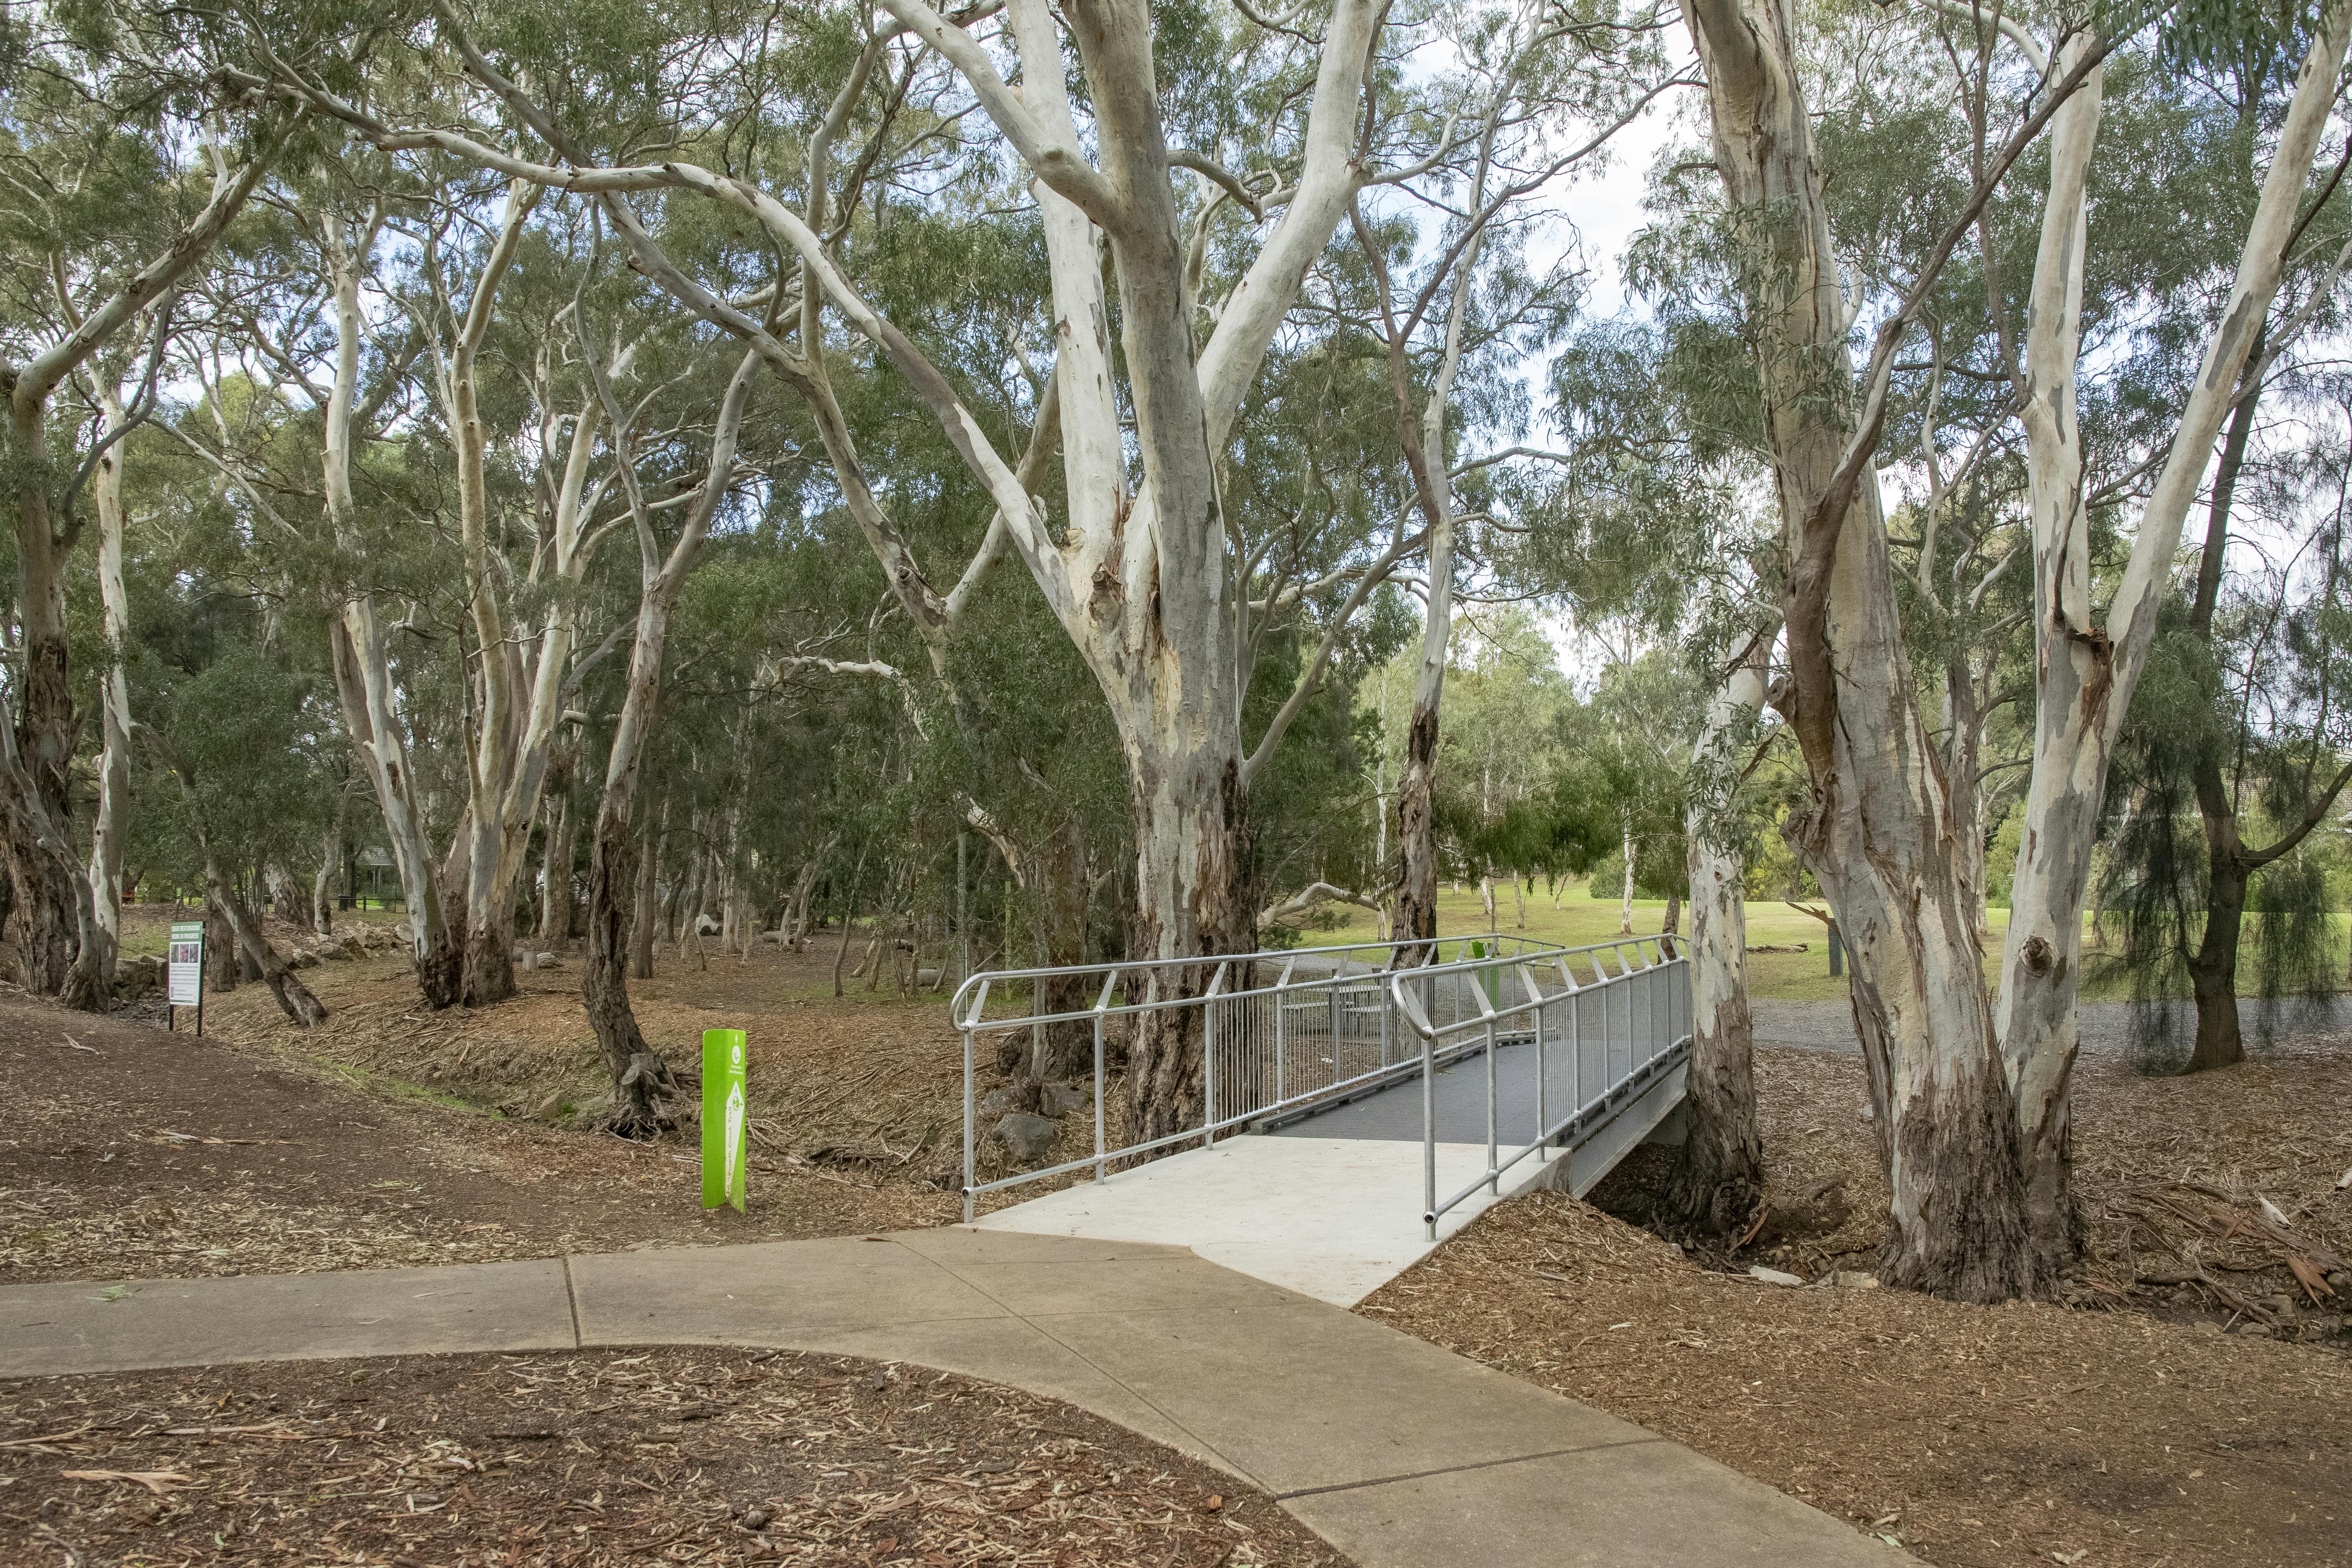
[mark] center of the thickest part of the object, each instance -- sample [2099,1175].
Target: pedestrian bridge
[1359,1103]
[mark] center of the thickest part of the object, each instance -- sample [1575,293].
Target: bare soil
[607,1457]
[2148,1424]
[868,1085]
[141,1154]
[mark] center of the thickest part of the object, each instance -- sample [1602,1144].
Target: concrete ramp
[1334,1218]
[1332,1206]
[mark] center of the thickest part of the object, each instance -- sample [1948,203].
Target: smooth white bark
[2085,673]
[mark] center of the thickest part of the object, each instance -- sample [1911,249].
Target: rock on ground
[1025,1137]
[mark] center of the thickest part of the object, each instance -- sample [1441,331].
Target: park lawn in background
[1771,976]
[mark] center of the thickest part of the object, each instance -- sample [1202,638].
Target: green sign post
[725,1148]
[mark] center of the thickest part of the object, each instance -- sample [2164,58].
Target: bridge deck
[1330,1205]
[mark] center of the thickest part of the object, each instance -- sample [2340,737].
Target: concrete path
[1333,1218]
[1399,1454]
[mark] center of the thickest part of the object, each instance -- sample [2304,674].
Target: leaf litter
[592,1459]
[2121,1428]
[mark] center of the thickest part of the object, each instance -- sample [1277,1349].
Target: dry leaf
[160,1482]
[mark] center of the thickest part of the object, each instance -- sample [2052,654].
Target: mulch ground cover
[140,1154]
[2150,1424]
[667,1456]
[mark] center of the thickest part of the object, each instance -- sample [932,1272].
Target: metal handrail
[968,1011]
[1661,957]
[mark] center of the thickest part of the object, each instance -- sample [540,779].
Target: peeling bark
[1876,828]
[111,827]
[62,953]
[1718,1176]
[362,665]
[2084,673]
[1140,581]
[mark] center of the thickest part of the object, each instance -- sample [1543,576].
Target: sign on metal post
[726,1149]
[183,984]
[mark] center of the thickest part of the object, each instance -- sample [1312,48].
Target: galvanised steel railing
[1604,1038]
[1283,1030]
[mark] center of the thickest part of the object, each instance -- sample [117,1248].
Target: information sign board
[184,968]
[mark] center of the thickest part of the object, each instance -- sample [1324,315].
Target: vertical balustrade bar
[1281,1029]
[1102,1008]
[1576,1045]
[1631,1043]
[1429,1130]
[967,1124]
[1334,1016]
[1209,1058]
[1494,1175]
[1608,1046]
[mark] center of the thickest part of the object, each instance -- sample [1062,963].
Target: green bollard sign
[726,1149]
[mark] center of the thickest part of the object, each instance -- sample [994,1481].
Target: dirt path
[140,1154]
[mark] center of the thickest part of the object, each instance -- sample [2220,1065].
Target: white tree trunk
[1144,589]
[1875,830]
[112,827]
[362,666]
[1719,1173]
[2084,674]
[1625,905]
[493,857]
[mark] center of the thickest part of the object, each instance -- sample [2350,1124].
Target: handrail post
[1429,1128]
[1494,1173]
[1281,1032]
[1478,993]
[970,1022]
[1575,1044]
[1608,1047]
[1630,1043]
[1209,1057]
[1543,1120]
[1102,1006]
[969,1111]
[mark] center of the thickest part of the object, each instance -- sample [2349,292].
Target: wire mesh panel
[1278,1031]
[1584,1033]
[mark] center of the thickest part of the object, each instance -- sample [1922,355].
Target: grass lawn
[1771,976]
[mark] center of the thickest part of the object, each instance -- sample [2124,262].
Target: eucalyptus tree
[524,614]
[1545,87]
[1140,576]
[2086,669]
[1973,1121]
[319,427]
[1641,530]
[707,476]
[1879,813]
[125,165]
[2233,759]
[2242,718]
